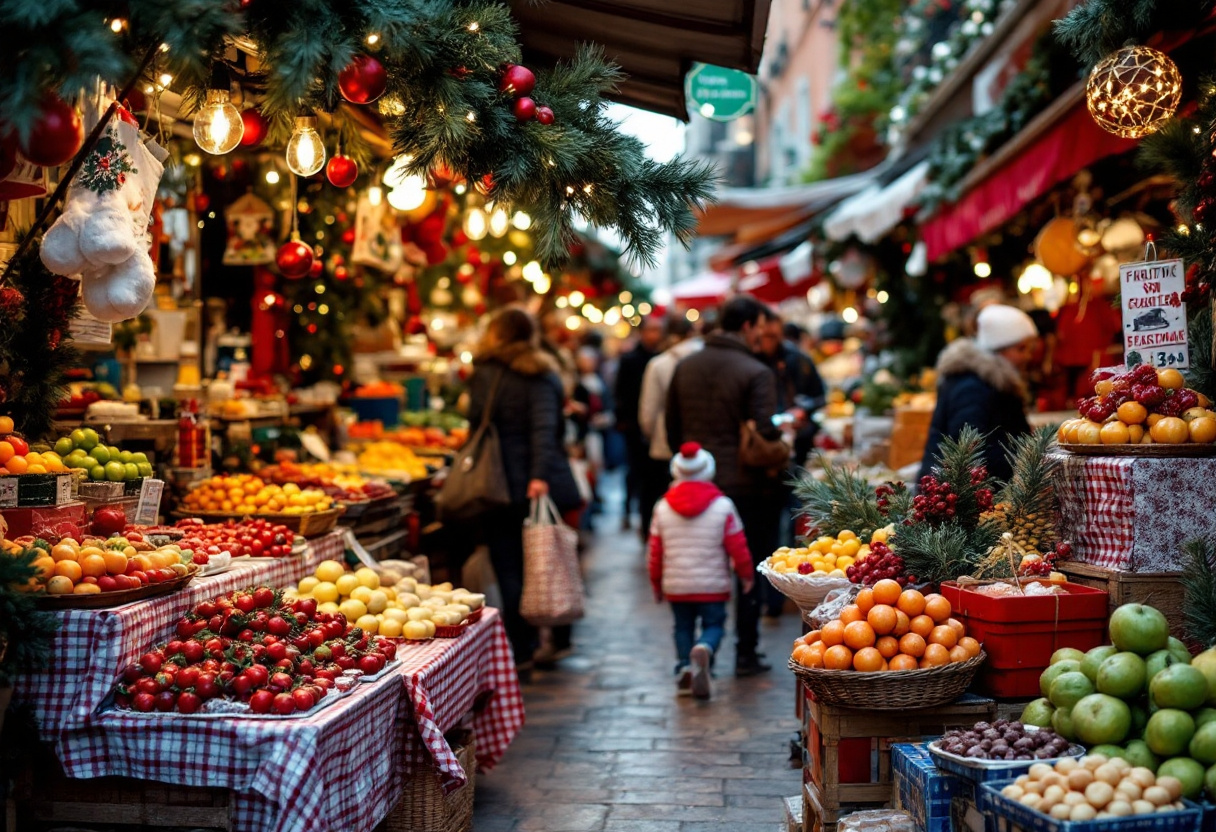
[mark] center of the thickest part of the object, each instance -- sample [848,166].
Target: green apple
[1049,675]
[1203,745]
[1169,732]
[1156,662]
[1108,751]
[145,469]
[1038,713]
[1186,770]
[132,470]
[1061,723]
[1070,688]
[139,458]
[1065,653]
[115,471]
[1179,686]
[97,473]
[88,439]
[101,453]
[1203,716]
[1099,718]
[64,446]
[1139,754]
[125,456]
[1121,675]
[1094,658]
[1209,783]
[1139,628]
[1179,650]
[1206,663]
[1139,720]
[77,438]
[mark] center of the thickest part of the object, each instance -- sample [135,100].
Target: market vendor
[981,384]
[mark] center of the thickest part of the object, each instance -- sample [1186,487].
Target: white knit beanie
[1001,326]
[692,463]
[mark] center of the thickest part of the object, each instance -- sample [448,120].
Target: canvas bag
[757,452]
[477,480]
[553,584]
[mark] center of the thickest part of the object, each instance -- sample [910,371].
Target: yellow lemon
[376,601]
[390,627]
[346,584]
[329,608]
[308,584]
[352,609]
[419,613]
[394,614]
[325,592]
[368,578]
[361,593]
[415,630]
[329,570]
[368,624]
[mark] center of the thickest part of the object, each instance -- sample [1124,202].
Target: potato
[1061,811]
[1099,793]
[1056,779]
[1157,795]
[1119,808]
[1129,790]
[1031,800]
[1022,780]
[1066,766]
[1144,777]
[1035,787]
[1039,770]
[1172,785]
[1108,774]
[1013,791]
[1143,807]
[1123,765]
[1093,761]
[1054,794]
[1079,779]
[1083,812]
[1075,799]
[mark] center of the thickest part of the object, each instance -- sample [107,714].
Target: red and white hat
[693,463]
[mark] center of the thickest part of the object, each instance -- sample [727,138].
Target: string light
[533,272]
[272,177]
[305,150]
[562,302]
[475,224]
[849,314]
[883,296]
[323,309]
[499,222]
[692,316]
[543,285]
[320,289]
[373,39]
[192,160]
[628,311]
[165,79]
[375,194]
[117,25]
[521,221]
[471,116]
[577,298]
[509,258]
[983,269]
[644,308]
[474,26]
[625,296]
[612,317]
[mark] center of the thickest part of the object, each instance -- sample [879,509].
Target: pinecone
[1034,532]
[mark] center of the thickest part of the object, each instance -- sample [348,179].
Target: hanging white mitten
[121,292]
[106,237]
[60,250]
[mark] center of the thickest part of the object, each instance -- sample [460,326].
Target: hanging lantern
[305,150]
[218,126]
[1134,91]
[1056,247]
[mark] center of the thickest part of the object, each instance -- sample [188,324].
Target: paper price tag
[352,543]
[8,492]
[149,502]
[1154,315]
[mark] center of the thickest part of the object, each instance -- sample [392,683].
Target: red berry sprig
[934,504]
[881,563]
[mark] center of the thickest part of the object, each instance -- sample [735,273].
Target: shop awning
[654,41]
[702,290]
[871,214]
[752,214]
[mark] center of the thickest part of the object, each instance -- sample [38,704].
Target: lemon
[325,593]
[419,613]
[376,601]
[390,627]
[389,593]
[415,630]
[352,609]
[361,593]
[394,614]
[329,570]
[368,578]
[329,608]
[346,584]
[308,584]
[368,624]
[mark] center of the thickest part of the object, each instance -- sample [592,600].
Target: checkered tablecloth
[93,646]
[341,768]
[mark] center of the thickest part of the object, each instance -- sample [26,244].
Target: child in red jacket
[696,537]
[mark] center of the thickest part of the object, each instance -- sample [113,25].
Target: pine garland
[27,631]
[443,60]
[840,500]
[1095,29]
[1199,588]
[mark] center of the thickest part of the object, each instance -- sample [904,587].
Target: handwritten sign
[1154,315]
[149,502]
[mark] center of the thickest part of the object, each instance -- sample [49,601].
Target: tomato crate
[1020,633]
[1162,590]
[847,753]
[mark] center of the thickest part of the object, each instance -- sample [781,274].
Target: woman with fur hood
[980,383]
[527,413]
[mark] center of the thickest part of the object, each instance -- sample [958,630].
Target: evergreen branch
[27,631]
[1199,589]
[1099,27]
[945,552]
[1030,490]
[840,500]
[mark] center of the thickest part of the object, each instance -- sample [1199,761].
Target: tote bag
[477,480]
[553,584]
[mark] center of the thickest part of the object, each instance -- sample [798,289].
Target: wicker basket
[803,590]
[424,808]
[892,690]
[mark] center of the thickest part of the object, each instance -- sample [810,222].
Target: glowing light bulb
[883,296]
[533,272]
[217,125]
[849,315]
[475,224]
[375,195]
[500,223]
[305,150]
[409,194]
[272,177]
[576,298]
[983,269]
[521,221]
[509,257]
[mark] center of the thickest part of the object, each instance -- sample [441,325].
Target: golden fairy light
[1132,92]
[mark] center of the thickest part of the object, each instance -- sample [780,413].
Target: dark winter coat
[528,417]
[713,392]
[982,389]
[628,393]
[798,385]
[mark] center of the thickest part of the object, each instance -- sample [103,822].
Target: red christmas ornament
[436,253]
[256,127]
[415,325]
[57,133]
[485,185]
[516,80]
[341,171]
[363,80]
[348,236]
[317,267]
[459,238]
[544,115]
[8,155]
[341,273]
[473,258]
[441,175]
[201,203]
[294,259]
[524,109]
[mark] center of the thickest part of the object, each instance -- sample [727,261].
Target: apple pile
[1143,698]
[251,647]
[256,537]
[1145,406]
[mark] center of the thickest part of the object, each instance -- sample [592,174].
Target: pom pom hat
[1000,326]
[693,463]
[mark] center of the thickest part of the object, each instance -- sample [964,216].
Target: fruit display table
[93,646]
[342,767]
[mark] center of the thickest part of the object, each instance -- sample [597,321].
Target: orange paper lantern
[1056,247]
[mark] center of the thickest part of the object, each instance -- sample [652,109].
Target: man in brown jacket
[712,394]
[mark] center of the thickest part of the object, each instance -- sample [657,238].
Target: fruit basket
[804,590]
[890,690]
[115,598]
[1189,449]
[311,524]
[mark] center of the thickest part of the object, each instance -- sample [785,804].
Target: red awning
[1070,145]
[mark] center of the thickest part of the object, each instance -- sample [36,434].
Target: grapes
[882,563]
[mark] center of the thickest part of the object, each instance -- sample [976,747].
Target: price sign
[1154,315]
[149,502]
[8,492]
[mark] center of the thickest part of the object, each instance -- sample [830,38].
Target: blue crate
[991,800]
[923,791]
[1209,816]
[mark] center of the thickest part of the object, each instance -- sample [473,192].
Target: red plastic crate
[1019,634]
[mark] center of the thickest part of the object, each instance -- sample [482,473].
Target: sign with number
[719,93]
[1154,315]
[149,502]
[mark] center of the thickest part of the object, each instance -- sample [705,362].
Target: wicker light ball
[1132,92]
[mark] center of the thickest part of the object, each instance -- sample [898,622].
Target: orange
[1115,433]
[86,589]
[943,635]
[882,618]
[62,551]
[903,662]
[45,566]
[815,655]
[116,562]
[922,625]
[811,637]
[912,645]
[937,608]
[868,660]
[957,626]
[69,569]
[838,657]
[59,585]
[6,452]
[802,655]
[902,623]
[1135,433]
[93,566]
[857,635]
[1170,379]
[887,592]
[888,646]
[970,645]
[832,633]
[935,656]
[851,613]
[912,602]
[864,600]
[1169,431]
[1133,413]
[17,465]
[959,654]
[1153,418]
[1203,430]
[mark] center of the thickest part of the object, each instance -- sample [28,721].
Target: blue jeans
[713,626]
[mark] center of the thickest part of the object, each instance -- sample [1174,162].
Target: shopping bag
[476,481]
[553,584]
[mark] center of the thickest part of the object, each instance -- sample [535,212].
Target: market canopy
[753,214]
[654,41]
[872,213]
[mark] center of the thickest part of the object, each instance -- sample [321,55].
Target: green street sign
[720,94]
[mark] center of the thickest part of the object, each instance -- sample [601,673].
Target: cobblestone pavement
[608,747]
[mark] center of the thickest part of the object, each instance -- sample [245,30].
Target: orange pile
[888,627]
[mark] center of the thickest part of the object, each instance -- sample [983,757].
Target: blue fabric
[713,626]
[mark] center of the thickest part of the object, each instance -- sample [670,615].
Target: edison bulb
[305,150]
[218,127]
[475,224]
[499,222]
[408,194]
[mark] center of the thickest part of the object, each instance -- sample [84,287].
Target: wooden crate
[1162,590]
[792,808]
[908,436]
[846,744]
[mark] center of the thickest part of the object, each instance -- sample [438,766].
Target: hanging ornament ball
[436,253]
[517,80]
[316,269]
[459,238]
[294,259]
[341,171]
[524,109]
[544,115]
[256,127]
[341,273]
[1056,248]
[348,236]
[1132,92]
[57,133]
[363,80]
[201,203]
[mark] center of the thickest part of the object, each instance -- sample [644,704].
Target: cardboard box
[34,490]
